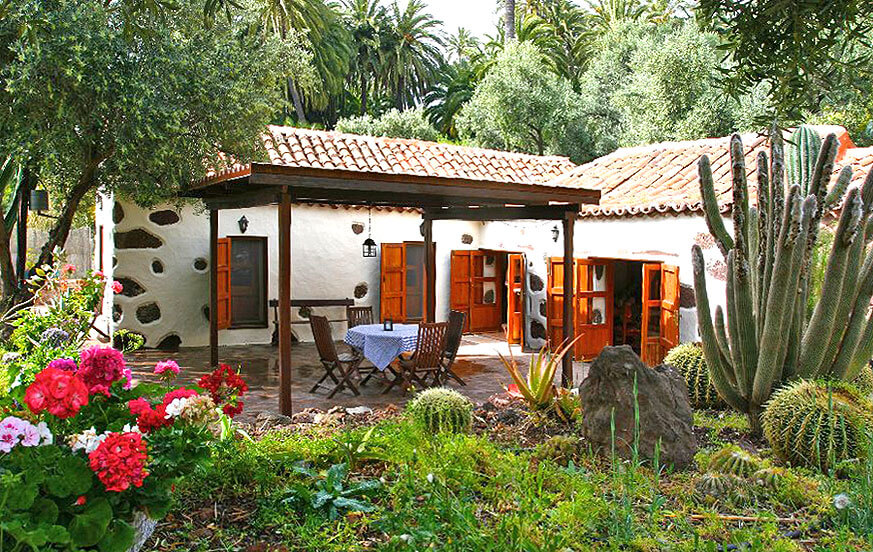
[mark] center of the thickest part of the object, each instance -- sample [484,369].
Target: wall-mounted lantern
[39,200]
[243,224]
[555,233]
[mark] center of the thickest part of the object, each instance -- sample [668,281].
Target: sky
[477,16]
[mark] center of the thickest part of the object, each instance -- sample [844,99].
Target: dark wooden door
[248,282]
[485,293]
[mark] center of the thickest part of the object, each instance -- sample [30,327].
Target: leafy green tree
[87,105]
[410,123]
[522,106]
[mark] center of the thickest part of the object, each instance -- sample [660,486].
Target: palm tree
[607,14]
[461,45]
[411,53]
[569,45]
[454,86]
[367,21]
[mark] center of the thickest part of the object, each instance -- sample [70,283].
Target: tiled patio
[478,364]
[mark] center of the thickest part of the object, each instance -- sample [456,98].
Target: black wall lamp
[243,223]
[555,233]
[39,202]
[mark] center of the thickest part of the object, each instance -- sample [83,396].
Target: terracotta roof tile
[662,178]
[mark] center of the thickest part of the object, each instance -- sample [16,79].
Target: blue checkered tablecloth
[381,347]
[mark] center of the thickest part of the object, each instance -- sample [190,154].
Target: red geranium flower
[117,287]
[148,418]
[59,392]
[119,461]
[226,388]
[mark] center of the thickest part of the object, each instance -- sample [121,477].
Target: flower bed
[85,452]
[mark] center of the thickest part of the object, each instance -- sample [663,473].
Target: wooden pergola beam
[534,212]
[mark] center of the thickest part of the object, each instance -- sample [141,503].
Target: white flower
[131,429]
[88,440]
[177,407]
[45,435]
[430,478]
[842,501]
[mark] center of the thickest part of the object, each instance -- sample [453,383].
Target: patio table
[381,347]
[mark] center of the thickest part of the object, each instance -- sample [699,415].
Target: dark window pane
[248,293]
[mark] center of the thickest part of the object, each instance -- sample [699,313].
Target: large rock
[665,413]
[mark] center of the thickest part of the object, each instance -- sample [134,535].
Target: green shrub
[687,358]
[128,341]
[441,410]
[816,424]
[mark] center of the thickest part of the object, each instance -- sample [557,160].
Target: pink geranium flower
[100,367]
[117,287]
[167,368]
[68,268]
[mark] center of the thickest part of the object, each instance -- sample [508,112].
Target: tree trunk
[509,20]
[363,94]
[7,270]
[298,103]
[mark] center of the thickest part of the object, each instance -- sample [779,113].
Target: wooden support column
[285,304]
[569,299]
[429,271]
[213,287]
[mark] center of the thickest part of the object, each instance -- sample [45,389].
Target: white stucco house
[633,249]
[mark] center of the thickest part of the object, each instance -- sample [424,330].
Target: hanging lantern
[555,233]
[369,248]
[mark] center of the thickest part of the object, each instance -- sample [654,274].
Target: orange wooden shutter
[669,309]
[650,328]
[555,302]
[593,307]
[393,290]
[459,297]
[515,299]
[222,265]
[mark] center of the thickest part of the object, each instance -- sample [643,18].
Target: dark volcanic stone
[165,217]
[686,296]
[147,313]
[536,283]
[130,287]
[137,239]
[117,213]
[537,330]
[466,239]
[510,416]
[361,290]
[170,343]
[664,411]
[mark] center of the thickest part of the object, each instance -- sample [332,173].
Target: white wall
[326,261]
[662,238]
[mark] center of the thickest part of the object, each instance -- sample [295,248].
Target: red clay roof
[298,147]
[662,178]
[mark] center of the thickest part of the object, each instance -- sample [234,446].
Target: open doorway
[617,302]
[486,284]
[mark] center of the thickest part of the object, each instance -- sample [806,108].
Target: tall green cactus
[763,337]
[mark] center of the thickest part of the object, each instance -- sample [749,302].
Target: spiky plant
[762,336]
[864,380]
[713,487]
[770,477]
[817,424]
[687,359]
[733,460]
[561,449]
[441,410]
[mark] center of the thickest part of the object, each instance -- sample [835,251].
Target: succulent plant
[560,449]
[441,410]
[720,487]
[733,460]
[817,424]
[687,359]
[769,477]
[864,380]
[762,337]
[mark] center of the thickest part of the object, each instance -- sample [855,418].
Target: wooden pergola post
[569,298]
[285,303]
[429,271]
[213,287]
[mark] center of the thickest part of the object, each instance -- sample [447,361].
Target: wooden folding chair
[338,367]
[426,361]
[454,333]
[359,316]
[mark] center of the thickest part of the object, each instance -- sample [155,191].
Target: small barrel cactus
[687,358]
[441,410]
[733,460]
[864,380]
[817,424]
[711,488]
[769,478]
[560,449]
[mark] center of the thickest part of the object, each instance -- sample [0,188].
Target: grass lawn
[504,487]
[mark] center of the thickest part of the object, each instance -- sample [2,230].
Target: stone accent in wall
[357,228]
[164,217]
[117,213]
[536,283]
[116,312]
[537,330]
[361,290]
[200,264]
[169,343]
[466,239]
[148,313]
[687,299]
[137,238]
[157,266]
[130,287]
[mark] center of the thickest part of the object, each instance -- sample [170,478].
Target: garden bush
[817,424]
[441,410]
[688,359]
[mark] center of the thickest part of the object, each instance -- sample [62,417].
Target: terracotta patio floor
[477,363]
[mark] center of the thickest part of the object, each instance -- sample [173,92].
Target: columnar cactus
[763,336]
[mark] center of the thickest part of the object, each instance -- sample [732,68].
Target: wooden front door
[515,298]
[222,266]
[660,317]
[485,293]
[461,273]
[593,307]
[392,301]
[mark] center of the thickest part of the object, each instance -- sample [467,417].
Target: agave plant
[538,387]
